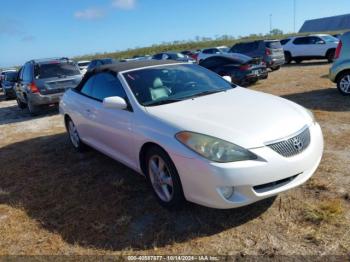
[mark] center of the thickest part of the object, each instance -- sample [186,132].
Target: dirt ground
[56,201]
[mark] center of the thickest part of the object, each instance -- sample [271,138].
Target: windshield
[168,84]
[330,39]
[83,63]
[274,45]
[224,49]
[56,70]
[11,76]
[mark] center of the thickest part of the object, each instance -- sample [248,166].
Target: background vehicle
[192,54]
[42,82]
[270,51]
[83,65]
[167,120]
[301,48]
[340,70]
[173,56]
[2,75]
[242,69]
[98,62]
[8,83]
[208,52]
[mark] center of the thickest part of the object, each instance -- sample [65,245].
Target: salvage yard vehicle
[2,75]
[340,71]
[99,62]
[8,83]
[270,51]
[194,135]
[42,82]
[208,52]
[83,65]
[319,46]
[243,70]
[173,56]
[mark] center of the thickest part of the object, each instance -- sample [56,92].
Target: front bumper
[201,180]
[39,99]
[10,92]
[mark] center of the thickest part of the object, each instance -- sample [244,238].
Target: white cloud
[124,4]
[90,14]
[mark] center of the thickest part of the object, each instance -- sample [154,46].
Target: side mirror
[321,42]
[114,102]
[227,78]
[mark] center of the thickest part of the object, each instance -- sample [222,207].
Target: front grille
[292,146]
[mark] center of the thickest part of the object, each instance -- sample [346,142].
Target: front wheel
[343,84]
[162,175]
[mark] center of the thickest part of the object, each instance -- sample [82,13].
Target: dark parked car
[270,51]
[242,69]
[173,56]
[98,62]
[8,83]
[43,82]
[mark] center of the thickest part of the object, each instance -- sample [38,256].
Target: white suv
[208,52]
[301,48]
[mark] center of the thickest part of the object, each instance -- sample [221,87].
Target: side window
[157,56]
[106,85]
[301,41]
[87,88]
[284,41]
[27,73]
[314,40]
[20,74]
[207,51]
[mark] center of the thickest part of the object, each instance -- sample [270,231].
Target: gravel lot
[56,201]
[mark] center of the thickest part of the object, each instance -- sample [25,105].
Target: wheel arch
[142,154]
[341,73]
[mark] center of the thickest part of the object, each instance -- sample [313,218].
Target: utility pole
[270,23]
[295,10]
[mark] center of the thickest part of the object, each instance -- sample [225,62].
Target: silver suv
[43,82]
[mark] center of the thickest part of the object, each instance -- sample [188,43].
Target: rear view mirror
[115,102]
[227,78]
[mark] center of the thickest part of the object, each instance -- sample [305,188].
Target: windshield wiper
[208,92]
[163,102]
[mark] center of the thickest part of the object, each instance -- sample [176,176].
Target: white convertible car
[192,134]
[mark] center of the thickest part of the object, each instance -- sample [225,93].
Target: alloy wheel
[345,84]
[161,178]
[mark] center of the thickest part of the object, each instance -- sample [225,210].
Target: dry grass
[55,201]
[326,211]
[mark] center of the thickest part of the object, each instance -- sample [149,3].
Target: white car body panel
[246,118]
[317,50]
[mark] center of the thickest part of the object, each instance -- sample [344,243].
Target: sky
[48,28]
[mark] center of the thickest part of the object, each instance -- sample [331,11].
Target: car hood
[244,117]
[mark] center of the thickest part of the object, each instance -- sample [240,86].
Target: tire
[298,60]
[33,110]
[167,186]
[288,57]
[330,56]
[275,68]
[343,83]
[74,137]
[20,104]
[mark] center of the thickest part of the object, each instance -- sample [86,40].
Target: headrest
[157,83]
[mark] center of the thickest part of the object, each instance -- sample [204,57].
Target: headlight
[213,148]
